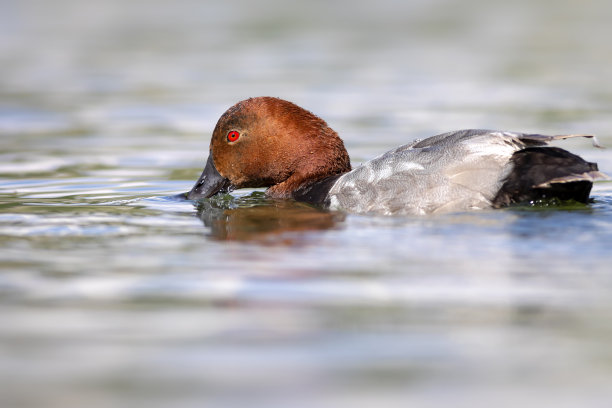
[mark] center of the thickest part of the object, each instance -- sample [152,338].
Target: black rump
[546,172]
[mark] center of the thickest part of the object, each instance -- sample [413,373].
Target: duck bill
[209,183]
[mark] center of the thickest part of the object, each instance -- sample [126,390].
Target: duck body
[458,171]
[269,142]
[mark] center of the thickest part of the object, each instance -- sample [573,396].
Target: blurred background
[113,294]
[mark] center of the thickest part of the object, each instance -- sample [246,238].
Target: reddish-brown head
[270,142]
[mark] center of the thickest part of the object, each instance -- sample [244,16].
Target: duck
[273,143]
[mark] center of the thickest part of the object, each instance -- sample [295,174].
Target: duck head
[270,142]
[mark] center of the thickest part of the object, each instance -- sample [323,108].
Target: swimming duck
[270,142]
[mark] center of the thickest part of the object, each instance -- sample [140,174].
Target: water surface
[114,293]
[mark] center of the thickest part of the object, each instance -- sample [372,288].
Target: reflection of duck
[256,217]
[269,142]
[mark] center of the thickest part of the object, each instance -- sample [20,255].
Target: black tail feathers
[544,173]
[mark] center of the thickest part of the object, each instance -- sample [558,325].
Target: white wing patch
[405,166]
[501,147]
[384,172]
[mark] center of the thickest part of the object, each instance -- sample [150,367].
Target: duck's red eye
[233,136]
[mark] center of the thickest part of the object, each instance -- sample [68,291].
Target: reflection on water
[258,218]
[115,294]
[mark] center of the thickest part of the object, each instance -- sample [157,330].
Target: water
[115,294]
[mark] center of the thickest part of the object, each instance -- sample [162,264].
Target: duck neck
[317,162]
